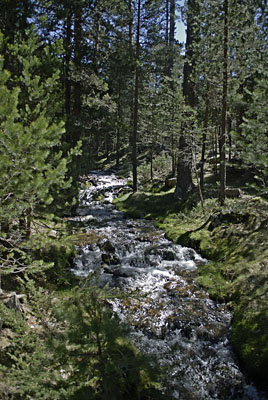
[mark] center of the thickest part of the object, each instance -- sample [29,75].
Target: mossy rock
[187,239]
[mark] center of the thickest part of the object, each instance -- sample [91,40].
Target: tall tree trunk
[171,42]
[172,24]
[173,156]
[131,85]
[215,152]
[67,81]
[77,62]
[119,123]
[130,23]
[171,36]
[222,138]
[167,25]
[184,171]
[97,38]
[25,14]
[229,123]
[151,163]
[167,38]
[204,138]
[136,103]
[188,85]
[184,165]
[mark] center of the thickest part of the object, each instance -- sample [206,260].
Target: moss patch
[86,239]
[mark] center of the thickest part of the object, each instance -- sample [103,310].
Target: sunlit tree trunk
[184,165]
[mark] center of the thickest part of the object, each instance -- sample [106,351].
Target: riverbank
[234,239]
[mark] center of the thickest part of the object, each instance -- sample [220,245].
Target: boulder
[107,246]
[110,259]
[233,193]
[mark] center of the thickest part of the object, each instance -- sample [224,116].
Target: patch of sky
[180,32]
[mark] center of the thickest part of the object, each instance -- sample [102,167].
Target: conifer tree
[33,169]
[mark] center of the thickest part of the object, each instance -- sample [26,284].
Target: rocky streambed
[170,315]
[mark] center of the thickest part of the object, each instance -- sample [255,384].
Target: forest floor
[234,240]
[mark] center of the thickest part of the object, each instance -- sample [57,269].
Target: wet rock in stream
[170,315]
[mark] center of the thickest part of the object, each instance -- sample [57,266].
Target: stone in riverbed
[110,259]
[107,246]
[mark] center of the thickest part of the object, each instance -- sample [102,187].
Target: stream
[170,315]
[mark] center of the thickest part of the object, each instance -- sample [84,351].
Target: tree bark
[184,171]
[130,24]
[171,36]
[188,86]
[77,61]
[97,38]
[222,138]
[229,124]
[184,166]
[136,103]
[167,37]
[68,55]
[118,128]
[204,138]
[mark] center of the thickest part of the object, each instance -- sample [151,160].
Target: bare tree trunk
[170,40]
[131,97]
[68,55]
[188,86]
[97,37]
[119,122]
[136,104]
[222,139]
[167,36]
[67,80]
[167,24]
[184,169]
[204,138]
[229,122]
[215,152]
[184,165]
[151,163]
[173,155]
[171,36]
[130,24]
[77,62]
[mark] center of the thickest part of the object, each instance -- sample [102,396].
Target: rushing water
[171,316]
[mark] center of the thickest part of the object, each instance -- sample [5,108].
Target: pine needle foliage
[76,349]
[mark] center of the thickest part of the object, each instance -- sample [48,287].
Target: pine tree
[80,350]
[33,169]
